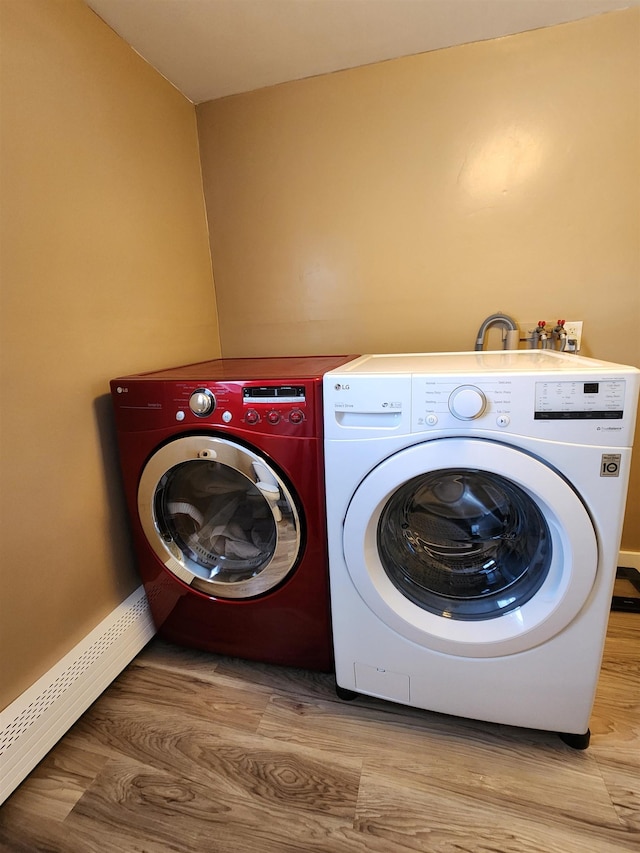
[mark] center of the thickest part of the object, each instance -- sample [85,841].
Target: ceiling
[212,48]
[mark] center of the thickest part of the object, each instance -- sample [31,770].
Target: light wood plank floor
[192,752]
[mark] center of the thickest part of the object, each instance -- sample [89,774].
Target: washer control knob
[467,402]
[202,402]
[251,416]
[273,417]
[296,416]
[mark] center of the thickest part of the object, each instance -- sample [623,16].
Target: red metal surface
[289,625]
[281,368]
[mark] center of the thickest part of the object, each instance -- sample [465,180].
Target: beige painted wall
[393,207]
[105,270]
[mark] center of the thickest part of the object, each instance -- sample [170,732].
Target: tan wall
[393,207]
[105,270]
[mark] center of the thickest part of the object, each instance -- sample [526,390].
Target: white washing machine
[475,504]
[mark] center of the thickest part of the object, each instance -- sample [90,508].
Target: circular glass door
[219,517]
[470,547]
[464,543]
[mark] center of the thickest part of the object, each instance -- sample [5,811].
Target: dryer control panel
[249,406]
[274,403]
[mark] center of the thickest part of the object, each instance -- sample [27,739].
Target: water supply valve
[541,335]
[560,335]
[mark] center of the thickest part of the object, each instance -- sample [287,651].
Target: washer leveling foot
[346,695]
[576,741]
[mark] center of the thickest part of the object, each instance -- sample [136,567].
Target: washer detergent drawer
[470,547]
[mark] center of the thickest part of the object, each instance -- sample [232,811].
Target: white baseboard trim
[32,724]
[630,559]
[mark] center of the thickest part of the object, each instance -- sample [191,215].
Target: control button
[252,417]
[202,402]
[180,415]
[273,417]
[503,420]
[296,416]
[432,420]
[226,417]
[467,402]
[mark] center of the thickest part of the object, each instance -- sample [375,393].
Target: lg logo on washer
[339,387]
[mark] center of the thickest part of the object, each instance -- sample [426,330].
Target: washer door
[219,517]
[470,547]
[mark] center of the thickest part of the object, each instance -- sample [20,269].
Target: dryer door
[470,547]
[219,516]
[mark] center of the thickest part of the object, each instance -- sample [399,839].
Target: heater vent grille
[31,725]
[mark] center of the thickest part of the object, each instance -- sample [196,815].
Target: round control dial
[296,416]
[467,402]
[202,402]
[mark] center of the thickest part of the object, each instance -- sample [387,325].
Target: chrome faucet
[511,327]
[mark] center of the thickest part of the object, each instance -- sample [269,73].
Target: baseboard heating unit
[32,724]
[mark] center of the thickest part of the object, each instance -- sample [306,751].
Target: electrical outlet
[573,328]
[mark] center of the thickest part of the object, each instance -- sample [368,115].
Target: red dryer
[222,464]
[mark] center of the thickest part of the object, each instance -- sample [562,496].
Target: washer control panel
[572,401]
[444,402]
[528,393]
[593,408]
[467,402]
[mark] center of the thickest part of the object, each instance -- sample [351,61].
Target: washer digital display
[572,400]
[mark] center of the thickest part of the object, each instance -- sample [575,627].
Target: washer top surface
[248,369]
[538,393]
[499,361]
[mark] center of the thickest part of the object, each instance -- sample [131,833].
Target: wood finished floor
[193,752]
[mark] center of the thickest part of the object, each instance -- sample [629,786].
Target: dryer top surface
[283,368]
